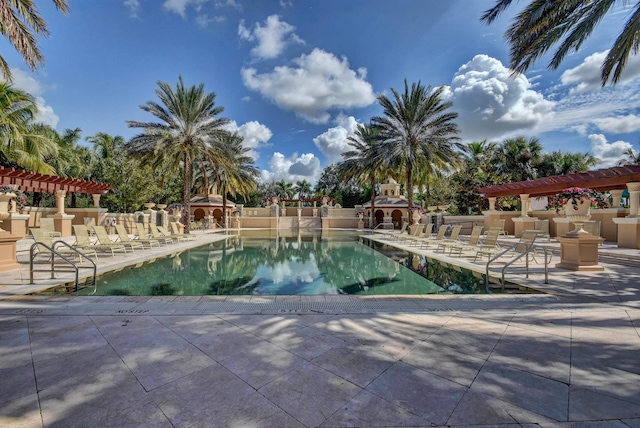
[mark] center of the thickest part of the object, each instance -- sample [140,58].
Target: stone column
[96,199]
[492,203]
[60,195]
[524,203]
[634,198]
[616,198]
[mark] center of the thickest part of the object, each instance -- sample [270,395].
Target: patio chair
[143,235]
[124,237]
[542,226]
[394,233]
[106,243]
[490,245]
[47,225]
[453,238]
[474,238]
[175,231]
[155,233]
[499,223]
[426,242]
[593,227]
[90,222]
[43,237]
[425,234]
[178,237]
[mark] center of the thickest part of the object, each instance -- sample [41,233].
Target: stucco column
[524,203]
[96,199]
[60,195]
[616,198]
[492,203]
[634,198]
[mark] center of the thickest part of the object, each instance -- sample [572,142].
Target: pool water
[311,263]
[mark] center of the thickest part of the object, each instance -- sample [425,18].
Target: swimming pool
[309,263]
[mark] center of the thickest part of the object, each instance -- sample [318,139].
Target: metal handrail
[526,253]
[54,253]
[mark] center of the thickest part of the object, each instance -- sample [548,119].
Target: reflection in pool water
[307,263]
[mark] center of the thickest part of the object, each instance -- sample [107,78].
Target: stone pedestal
[579,252]
[8,251]
[16,224]
[520,224]
[563,226]
[628,232]
[63,223]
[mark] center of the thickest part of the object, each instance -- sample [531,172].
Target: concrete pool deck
[570,358]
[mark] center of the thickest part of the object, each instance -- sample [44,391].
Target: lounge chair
[144,236]
[125,238]
[474,238]
[105,242]
[426,242]
[490,244]
[90,222]
[395,233]
[48,225]
[499,223]
[412,231]
[175,231]
[424,234]
[42,237]
[452,240]
[155,233]
[542,226]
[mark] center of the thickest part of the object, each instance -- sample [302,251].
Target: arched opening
[217,214]
[396,217]
[379,216]
[198,214]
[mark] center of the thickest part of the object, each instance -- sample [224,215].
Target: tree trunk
[373,202]
[186,194]
[224,205]
[409,192]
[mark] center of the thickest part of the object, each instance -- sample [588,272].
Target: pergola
[33,182]
[615,178]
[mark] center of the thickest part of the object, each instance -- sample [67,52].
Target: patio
[566,358]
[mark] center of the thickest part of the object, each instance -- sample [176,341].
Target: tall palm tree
[363,163]
[285,189]
[630,157]
[233,170]
[543,24]
[303,189]
[416,131]
[20,22]
[21,141]
[519,157]
[188,129]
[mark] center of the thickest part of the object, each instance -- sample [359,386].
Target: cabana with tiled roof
[619,224]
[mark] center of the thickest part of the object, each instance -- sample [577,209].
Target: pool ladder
[525,253]
[54,253]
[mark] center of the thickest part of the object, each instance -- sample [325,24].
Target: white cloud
[272,37]
[204,20]
[608,153]
[180,6]
[255,135]
[620,124]
[491,104]
[334,142]
[27,83]
[292,169]
[586,76]
[320,82]
[133,6]
[228,3]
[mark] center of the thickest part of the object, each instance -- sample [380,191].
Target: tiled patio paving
[567,359]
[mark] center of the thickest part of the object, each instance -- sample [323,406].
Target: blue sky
[296,76]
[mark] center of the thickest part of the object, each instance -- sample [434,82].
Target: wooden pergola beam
[33,182]
[601,180]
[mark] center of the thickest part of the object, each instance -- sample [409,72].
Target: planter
[149,205]
[578,215]
[161,207]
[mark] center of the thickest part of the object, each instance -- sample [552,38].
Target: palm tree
[561,163]
[303,189]
[417,131]
[20,22]
[362,163]
[543,24]
[189,129]
[233,171]
[21,141]
[285,189]
[630,158]
[519,157]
